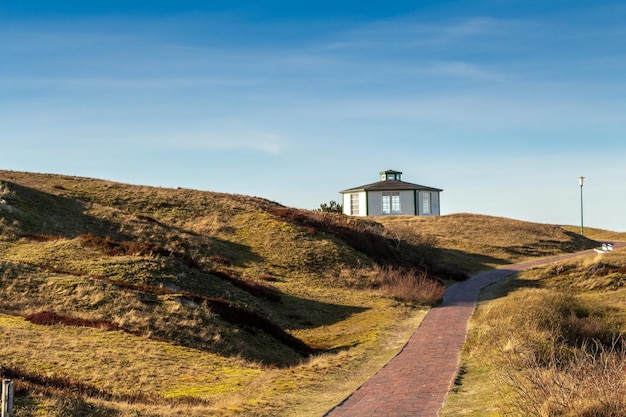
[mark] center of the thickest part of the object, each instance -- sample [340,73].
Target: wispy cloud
[233,140]
[407,32]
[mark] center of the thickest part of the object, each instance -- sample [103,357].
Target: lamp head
[580,180]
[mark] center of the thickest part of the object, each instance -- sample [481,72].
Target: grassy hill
[120,300]
[476,242]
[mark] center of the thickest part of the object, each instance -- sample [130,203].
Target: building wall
[374,203]
[434,203]
[362,204]
[346,203]
[375,200]
[407,203]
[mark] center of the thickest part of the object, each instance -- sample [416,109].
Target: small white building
[391,196]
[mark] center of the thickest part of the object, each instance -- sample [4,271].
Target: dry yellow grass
[547,343]
[191,357]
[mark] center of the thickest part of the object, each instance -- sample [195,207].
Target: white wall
[346,204]
[362,204]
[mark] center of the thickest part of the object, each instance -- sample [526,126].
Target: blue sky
[501,103]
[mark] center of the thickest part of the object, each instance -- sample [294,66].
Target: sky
[503,104]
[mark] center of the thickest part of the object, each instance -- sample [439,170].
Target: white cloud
[411,32]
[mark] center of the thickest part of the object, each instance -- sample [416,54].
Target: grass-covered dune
[476,242]
[122,300]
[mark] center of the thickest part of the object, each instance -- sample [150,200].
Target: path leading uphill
[416,382]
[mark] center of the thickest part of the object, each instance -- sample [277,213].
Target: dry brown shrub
[590,383]
[49,318]
[410,286]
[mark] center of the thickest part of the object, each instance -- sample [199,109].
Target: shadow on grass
[40,213]
[505,286]
[300,313]
[470,263]
[44,216]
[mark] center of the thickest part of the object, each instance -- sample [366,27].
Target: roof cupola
[390,175]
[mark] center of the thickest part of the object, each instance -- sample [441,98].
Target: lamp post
[580,181]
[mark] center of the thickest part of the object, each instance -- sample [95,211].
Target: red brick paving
[416,382]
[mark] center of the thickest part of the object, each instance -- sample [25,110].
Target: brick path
[416,382]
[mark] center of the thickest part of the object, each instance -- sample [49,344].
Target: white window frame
[354,204]
[391,203]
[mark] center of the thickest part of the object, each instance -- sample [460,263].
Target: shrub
[555,354]
[590,383]
[331,207]
[410,286]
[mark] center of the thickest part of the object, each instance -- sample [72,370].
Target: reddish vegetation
[147,219]
[411,286]
[50,318]
[369,238]
[43,238]
[228,312]
[602,269]
[359,234]
[221,260]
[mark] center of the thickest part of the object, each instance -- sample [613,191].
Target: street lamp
[580,181]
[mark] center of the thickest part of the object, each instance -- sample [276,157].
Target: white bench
[606,247]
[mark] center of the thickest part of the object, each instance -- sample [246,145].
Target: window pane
[395,203]
[426,206]
[386,203]
[391,202]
